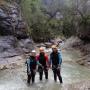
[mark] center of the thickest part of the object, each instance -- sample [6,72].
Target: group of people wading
[44,63]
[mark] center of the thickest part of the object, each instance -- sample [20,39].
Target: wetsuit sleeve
[47,60]
[50,59]
[28,64]
[60,58]
[37,57]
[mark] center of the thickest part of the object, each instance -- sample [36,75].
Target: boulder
[7,46]
[40,45]
[26,45]
[48,44]
[11,50]
[10,46]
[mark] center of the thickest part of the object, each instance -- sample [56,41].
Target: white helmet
[33,51]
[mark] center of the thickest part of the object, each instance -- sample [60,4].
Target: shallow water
[15,79]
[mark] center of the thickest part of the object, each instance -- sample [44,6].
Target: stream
[73,74]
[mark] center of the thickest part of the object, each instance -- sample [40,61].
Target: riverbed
[75,76]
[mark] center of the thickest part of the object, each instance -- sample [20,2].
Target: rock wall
[14,41]
[12,50]
[11,21]
[78,44]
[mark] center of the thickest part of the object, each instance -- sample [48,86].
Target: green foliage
[42,21]
[85,21]
[40,28]
[68,29]
[84,28]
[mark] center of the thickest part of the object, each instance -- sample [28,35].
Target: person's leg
[33,76]
[28,79]
[55,75]
[40,74]
[59,76]
[46,73]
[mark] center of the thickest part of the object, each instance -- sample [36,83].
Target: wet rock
[48,44]
[57,41]
[2,14]
[7,45]
[10,46]
[75,42]
[3,67]
[11,63]
[40,45]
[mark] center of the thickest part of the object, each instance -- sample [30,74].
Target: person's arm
[38,63]
[47,60]
[50,62]
[60,58]
[37,59]
[28,65]
[26,62]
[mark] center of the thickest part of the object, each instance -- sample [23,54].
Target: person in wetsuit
[42,60]
[31,67]
[56,61]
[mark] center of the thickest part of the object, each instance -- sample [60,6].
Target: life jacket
[55,58]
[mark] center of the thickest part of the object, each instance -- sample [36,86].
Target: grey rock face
[11,21]
[12,49]
[7,46]
[10,46]
[13,34]
[26,45]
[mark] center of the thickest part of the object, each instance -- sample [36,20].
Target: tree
[41,16]
[37,21]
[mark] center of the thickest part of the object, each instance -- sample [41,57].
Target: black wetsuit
[31,68]
[56,61]
[43,68]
